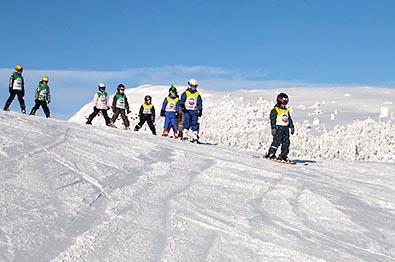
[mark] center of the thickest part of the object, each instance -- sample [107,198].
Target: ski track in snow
[72,192]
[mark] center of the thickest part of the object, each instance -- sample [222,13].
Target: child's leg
[140,124]
[35,108]
[115,115]
[276,143]
[285,143]
[151,125]
[187,120]
[45,108]
[105,115]
[124,118]
[93,115]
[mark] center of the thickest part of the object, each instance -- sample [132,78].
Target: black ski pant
[146,118]
[96,111]
[281,138]
[43,104]
[20,95]
[123,115]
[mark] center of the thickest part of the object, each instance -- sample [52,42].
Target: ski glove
[162,113]
[292,130]
[183,109]
[274,131]
[200,112]
[113,109]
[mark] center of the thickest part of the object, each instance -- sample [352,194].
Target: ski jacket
[100,100]
[191,100]
[120,101]
[147,109]
[17,82]
[43,93]
[171,104]
[280,117]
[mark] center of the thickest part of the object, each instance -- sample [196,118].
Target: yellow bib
[147,108]
[171,104]
[282,116]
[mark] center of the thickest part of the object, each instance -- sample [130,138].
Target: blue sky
[284,42]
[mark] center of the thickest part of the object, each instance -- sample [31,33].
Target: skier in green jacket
[42,97]
[16,88]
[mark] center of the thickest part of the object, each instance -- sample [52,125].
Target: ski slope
[72,192]
[331,123]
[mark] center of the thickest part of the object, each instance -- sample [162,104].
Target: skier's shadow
[304,162]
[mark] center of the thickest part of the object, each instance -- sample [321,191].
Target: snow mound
[241,120]
[72,192]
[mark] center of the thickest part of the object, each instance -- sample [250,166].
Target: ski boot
[194,137]
[284,159]
[89,122]
[23,111]
[271,157]
[6,109]
[175,135]
[165,132]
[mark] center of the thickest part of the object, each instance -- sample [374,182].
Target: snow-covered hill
[73,192]
[331,123]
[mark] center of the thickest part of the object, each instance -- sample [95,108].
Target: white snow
[72,192]
[241,120]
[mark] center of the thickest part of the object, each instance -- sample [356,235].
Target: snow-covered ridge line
[331,123]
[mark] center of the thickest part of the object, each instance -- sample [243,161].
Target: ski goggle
[122,89]
[284,100]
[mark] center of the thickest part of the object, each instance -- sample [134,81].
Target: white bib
[191,103]
[121,103]
[17,85]
[283,120]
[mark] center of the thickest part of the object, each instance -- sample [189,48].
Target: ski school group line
[181,113]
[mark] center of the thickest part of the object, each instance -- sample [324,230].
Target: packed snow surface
[331,123]
[72,192]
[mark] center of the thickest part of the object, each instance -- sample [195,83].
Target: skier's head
[120,88]
[282,99]
[44,80]
[102,87]
[192,84]
[147,99]
[173,91]
[19,69]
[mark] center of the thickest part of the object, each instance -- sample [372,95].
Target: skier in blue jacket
[169,110]
[192,105]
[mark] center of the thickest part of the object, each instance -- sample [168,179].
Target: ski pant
[191,120]
[171,121]
[20,95]
[281,138]
[123,115]
[96,111]
[43,104]
[146,118]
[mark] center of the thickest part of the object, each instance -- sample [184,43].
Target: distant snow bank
[331,123]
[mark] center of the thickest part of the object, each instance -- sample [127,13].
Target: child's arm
[291,124]
[114,102]
[273,120]
[48,96]
[141,110]
[153,113]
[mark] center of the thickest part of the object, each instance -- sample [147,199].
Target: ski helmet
[282,99]
[173,88]
[147,97]
[19,68]
[193,83]
[45,79]
[121,87]
[102,86]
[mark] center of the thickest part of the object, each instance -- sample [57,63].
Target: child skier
[281,125]
[42,97]
[120,105]
[16,88]
[100,104]
[169,110]
[147,114]
[192,105]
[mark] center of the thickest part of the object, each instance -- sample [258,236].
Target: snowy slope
[331,123]
[72,192]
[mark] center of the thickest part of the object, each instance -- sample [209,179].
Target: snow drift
[73,192]
[331,123]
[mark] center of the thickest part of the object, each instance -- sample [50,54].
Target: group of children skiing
[184,111]
[16,87]
[181,113]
